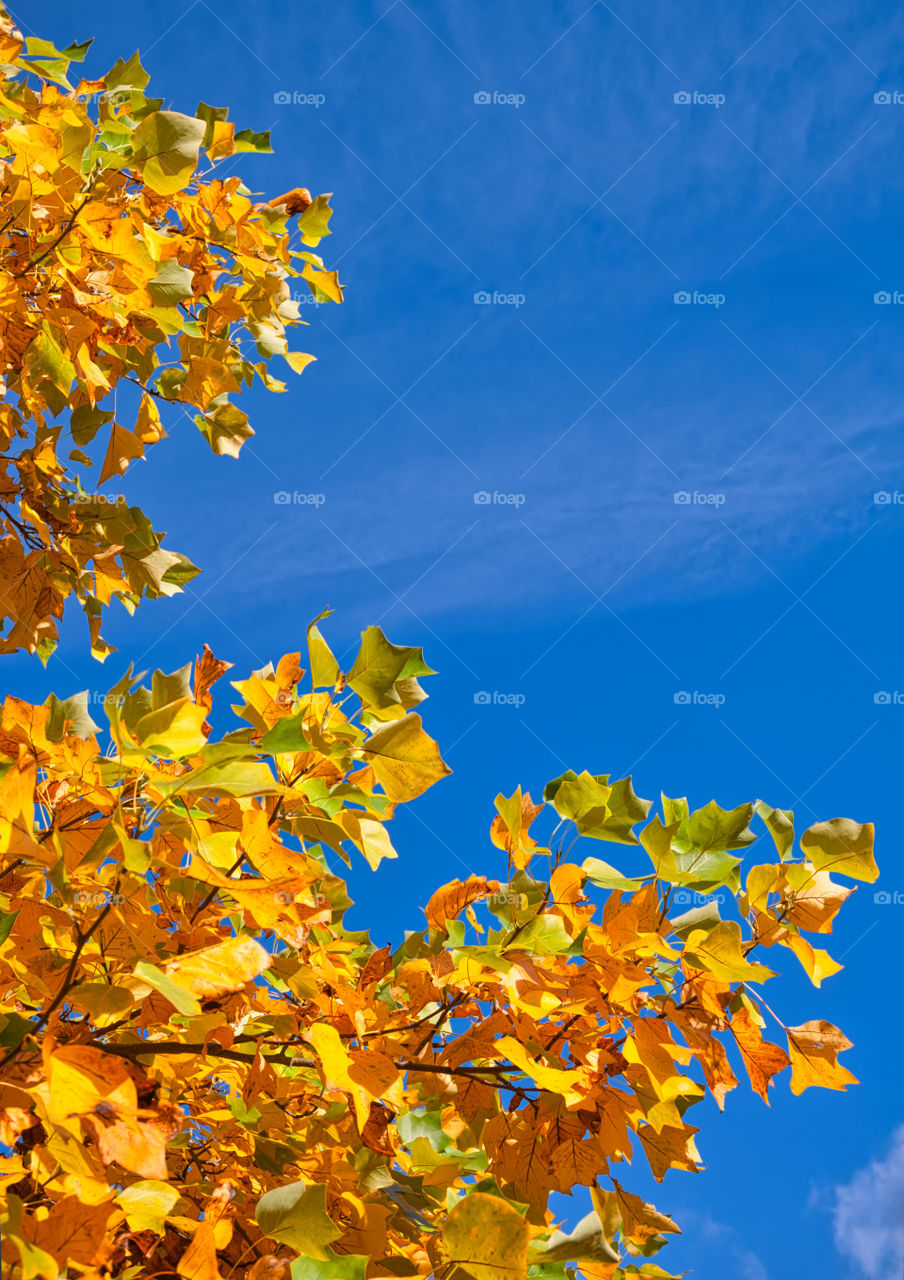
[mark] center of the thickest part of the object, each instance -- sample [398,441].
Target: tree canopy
[135,287]
[205,1072]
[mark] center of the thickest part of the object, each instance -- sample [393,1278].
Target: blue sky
[583,198]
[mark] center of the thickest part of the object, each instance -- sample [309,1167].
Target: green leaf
[586,1243]
[597,809]
[167,145]
[384,675]
[348,1266]
[76,52]
[45,359]
[210,115]
[295,1215]
[127,75]
[713,829]
[171,284]
[179,997]
[720,951]
[147,1205]
[780,825]
[314,222]
[545,935]
[703,917]
[173,730]
[73,711]
[13,1030]
[842,845]
[600,873]
[248,140]
[237,778]
[286,735]
[324,667]
[7,920]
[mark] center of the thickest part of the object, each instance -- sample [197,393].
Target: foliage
[130,281]
[205,1073]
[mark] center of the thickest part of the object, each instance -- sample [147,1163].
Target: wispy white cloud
[868,1215]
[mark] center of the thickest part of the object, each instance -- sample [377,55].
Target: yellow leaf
[554,1079]
[175,730]
[405,760]
[124,446]
[215,971]
[817,964]
[814,1049]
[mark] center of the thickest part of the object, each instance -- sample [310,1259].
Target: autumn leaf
[487,1238]
[814,1048]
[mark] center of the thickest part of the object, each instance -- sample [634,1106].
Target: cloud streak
[868,1215]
